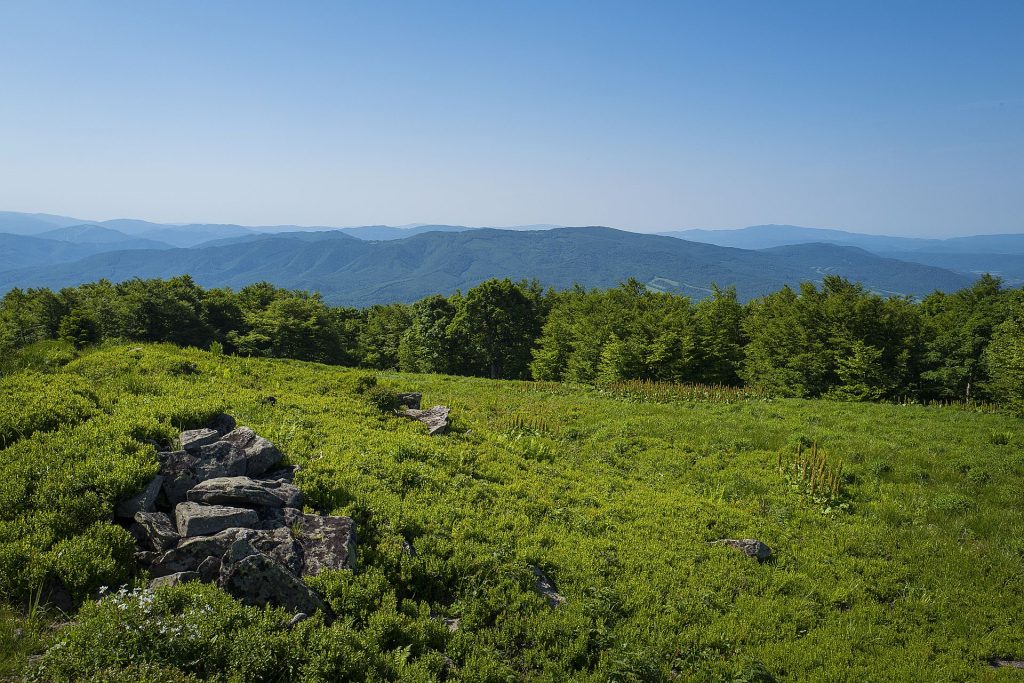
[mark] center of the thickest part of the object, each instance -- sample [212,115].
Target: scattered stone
[751,547]
[175,579]
[202,520]
[452,623]
[144,501]
[158,530]
[245,492]
[256,579]
[194,439]
[297,619]
[327,543]
[409,399]
[408,549]
[1010,663]
[435,418]
[270,400]
[546,588]
[260,454]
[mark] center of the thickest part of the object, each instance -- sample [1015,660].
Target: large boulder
[258,579]
[157,529]
[194,519]
[245,492]
[435,418]
[194,439]
[327,543]
[184,469]
[144,501]
[260,454]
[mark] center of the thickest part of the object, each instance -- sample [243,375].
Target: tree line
[835,340]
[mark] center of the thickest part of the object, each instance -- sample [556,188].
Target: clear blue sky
[898,117]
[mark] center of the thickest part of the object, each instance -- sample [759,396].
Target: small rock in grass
[202,520]
[194,439]
[297,619]
[751,547]
[435,418]
[245,492]
[144,501]
[175,579]
[1008,663]
[543,585]
[158,529]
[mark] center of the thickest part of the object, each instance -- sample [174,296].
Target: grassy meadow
[898,549]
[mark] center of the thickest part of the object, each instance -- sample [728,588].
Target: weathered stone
[275,518]
[245,492]
[297,619]
[751,547]
[260,454]
[435,418]
[158,529]
[194,439]
[257,579]
[209,569]
[174,579]
[192,552]
[202,520]
[1007,663]
[183,469]
[144,501]
[327,543]
[409,399]
[546,588]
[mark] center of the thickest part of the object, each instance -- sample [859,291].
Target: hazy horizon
[896,119]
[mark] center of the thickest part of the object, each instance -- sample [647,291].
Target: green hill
[911,568]
[359,273]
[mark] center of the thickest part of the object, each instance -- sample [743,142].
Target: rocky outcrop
[435,418]
[751,547]
[237,521]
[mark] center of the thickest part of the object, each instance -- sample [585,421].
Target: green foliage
[616,492]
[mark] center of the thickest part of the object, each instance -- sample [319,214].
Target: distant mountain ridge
[357,272]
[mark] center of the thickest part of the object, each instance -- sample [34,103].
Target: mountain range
[376,264]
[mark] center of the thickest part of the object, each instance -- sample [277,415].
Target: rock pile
[224,511]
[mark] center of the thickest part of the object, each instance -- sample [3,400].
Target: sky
[883,117]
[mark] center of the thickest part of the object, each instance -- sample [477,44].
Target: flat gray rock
[260,454]
[144,501]
[194,439]
[327,543]
[194,519]
[245,492]
[158,530]
[174,579]
[435,418]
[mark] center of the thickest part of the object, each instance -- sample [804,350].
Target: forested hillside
[837,340]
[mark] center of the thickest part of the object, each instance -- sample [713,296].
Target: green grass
[917,575]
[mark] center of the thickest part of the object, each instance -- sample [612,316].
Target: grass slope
[914,572]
